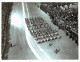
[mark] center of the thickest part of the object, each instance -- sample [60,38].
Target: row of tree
[6,10]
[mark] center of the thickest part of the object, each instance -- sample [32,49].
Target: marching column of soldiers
[41,30]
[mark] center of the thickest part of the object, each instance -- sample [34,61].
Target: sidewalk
[21,50]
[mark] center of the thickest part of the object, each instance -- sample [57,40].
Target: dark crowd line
[66,20]
[41,30]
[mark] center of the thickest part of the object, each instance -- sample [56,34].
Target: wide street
[26,47]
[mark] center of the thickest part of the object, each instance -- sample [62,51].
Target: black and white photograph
[39,31]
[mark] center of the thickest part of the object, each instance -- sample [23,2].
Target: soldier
[12,45]
[56,51]
[50,44]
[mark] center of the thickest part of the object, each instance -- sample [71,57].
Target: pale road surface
[68,48]
[17,32]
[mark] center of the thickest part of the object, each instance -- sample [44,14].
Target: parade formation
[41,30]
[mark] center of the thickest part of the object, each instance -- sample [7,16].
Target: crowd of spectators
[6,9]
[41,30]
[64,17]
